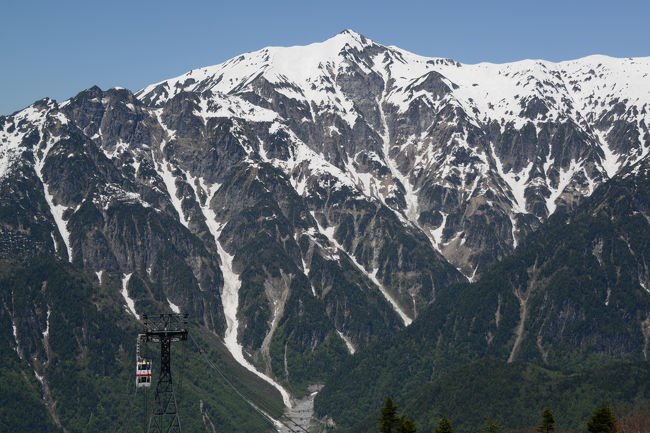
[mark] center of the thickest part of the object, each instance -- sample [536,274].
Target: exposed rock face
[330,185]
[474,156]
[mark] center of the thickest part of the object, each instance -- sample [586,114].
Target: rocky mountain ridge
[440,143]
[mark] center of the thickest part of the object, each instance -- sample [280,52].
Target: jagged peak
[489,88]
[349,32]
[318,52]
[298,63]
[355,37]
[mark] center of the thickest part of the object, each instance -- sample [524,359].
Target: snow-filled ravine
[230,293]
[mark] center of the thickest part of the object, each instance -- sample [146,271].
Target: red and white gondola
[142,368]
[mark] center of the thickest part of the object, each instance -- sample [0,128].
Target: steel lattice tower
[165,329]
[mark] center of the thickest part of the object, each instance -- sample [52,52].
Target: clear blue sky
[58,48]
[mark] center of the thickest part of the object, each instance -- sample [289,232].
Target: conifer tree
[406,425]
[444,426]
[602,420]
[548,422]
[388,419]
[492,427]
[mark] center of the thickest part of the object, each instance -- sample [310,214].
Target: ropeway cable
[296,424]
[254,406]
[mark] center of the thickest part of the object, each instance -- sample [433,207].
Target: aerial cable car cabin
[142,367]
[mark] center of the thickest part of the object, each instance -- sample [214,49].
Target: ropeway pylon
[165,329]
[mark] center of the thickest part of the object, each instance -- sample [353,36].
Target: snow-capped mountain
[448,147]
[303,202]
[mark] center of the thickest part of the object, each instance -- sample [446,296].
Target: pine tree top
[603,420]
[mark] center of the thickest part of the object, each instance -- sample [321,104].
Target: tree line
[602,420]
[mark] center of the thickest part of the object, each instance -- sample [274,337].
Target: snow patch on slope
[130,303]
[57,211]
[46,333]
[610,162]
[563,182]
[437,233]
[230,292]
[11,142]
[175,308]
[329,233]
[347,341]
[10,151]
[228,106]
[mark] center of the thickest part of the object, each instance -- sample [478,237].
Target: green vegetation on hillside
[87,361]
[570,308]
[515,394]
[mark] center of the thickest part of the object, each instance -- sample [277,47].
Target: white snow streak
[516,181]
[208,214]
[170,183]
[125,294]
[329,233]
[410,195]
[56,247]
[165,173]
[373,276]
[38,377]
[347,341]
[513,223]
[306,272]
[15,330]
[174,307]
[230,293]
[471,279]
[563,182]
[230,300]
[610,163]
[437,233]
[46,333]
[57,211]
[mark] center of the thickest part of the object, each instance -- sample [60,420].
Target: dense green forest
[603,419]
[515,394]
